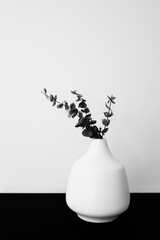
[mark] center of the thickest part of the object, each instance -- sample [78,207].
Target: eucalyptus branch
[82,111]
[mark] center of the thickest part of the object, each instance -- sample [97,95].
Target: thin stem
[109,108]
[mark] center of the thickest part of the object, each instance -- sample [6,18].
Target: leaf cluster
[80,109]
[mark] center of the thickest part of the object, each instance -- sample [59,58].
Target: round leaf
[72,106]
[82,104]
[51,98]
[93,122]
[105,122]
[66,106]
[87,132]
[60,105]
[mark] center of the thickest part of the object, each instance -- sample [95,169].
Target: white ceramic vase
[97,188]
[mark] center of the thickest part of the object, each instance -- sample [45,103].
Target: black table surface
[31,216]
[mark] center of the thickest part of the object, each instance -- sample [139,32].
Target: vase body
[97,188]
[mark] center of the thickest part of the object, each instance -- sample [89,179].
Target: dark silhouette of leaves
[80,114]
[66,105]
[88,116]
[83,122]
[95,132]
[104,130]
[72,106]
[87,132]
[51,98]
[82,104]
[79,124]
[73,112]
[60,105]
[86,122]
[86,110]
[54,100]
[79,98]
[93,122]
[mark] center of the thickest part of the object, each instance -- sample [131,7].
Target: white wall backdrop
[98,47]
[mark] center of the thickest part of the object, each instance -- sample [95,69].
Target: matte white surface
[97,47]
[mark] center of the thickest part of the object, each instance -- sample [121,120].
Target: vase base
[97,219]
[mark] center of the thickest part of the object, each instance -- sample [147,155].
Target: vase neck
[97,152]
[99,143]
